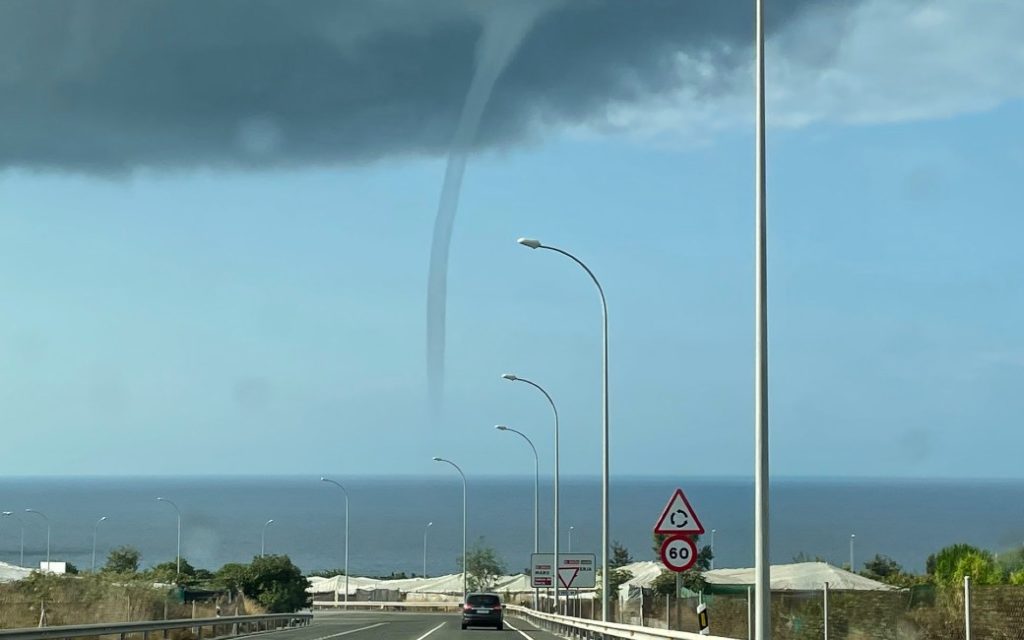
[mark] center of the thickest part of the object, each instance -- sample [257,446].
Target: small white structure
[59,568]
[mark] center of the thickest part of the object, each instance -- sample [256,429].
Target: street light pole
[40,513]
[465,588]
[177,570]
[536,244]
[263,538]
[22,523]
[345,491]
[425,530]
[852,566]
[536,483]
[95,528]
[712,549]
[571,529]
[514,378]
[762,560]
[536,496]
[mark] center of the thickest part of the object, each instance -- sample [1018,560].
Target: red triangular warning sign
[567,575]
[678,517]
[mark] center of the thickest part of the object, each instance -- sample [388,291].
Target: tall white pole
[605,596]
[967,607]
[762,562]
[263,538]
[712,549]
[536,495]
[425,530]
[852,566]
[177,570]
[345,492]
[557,493]
[571,529]
[40,513]
[465,569]
[95,529]
[824,610]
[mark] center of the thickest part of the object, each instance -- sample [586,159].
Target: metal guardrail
[235,624]
[393,606]
[571,627]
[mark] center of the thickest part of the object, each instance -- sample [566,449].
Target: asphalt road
[359,625]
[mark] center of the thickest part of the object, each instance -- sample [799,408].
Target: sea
[223,518]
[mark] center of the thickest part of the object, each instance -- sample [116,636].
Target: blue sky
[196,320]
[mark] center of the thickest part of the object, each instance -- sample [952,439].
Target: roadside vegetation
[122,591]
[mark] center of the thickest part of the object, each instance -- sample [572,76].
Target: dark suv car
[482,610]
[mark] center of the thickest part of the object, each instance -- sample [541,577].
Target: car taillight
[467,607]
[498,607]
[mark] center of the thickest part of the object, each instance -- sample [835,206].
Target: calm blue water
[223,518]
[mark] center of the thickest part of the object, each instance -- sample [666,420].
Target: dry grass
[89,599]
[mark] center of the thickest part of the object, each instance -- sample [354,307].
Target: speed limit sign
[678,553]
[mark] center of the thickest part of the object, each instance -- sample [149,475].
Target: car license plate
[483,610]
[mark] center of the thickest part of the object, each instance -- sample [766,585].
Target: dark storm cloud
[102,85]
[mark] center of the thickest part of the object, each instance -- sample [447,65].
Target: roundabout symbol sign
[678,553]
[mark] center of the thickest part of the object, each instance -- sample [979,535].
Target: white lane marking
[431,631]
[345,633]
[519,631]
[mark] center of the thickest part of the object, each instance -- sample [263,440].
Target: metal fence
[979,612]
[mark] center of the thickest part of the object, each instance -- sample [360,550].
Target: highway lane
[372,625]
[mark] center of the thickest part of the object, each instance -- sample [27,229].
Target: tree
[167,573]
[232,576]
[123,559]
[881,567]
[806,557]
[482,566]
[949,566]
[885,569]
[276,584]
[620,556]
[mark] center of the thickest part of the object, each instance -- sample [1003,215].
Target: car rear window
[484,601]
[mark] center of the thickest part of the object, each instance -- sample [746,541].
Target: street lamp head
[103,518]
[501,427]
[271,521]
[530,242]
[430,524]
[8,513]
[436,459]
[509,376]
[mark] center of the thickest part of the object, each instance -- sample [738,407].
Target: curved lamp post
[465,584]
[95,528]
[536,495]
[40,513]
[537,244]
[344,491]
[22,523]
[177,557]
[514,378]
[536,483]
[425,530]
[263,538]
